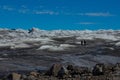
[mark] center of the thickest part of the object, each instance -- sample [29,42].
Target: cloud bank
[24,9]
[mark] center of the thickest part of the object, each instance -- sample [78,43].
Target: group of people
[83,42]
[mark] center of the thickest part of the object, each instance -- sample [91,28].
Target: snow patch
[40,40]
[66,45]
[61,47]
[6,44]
[51,48]
[3,59]
[21,45]
[85,38]
[117,44]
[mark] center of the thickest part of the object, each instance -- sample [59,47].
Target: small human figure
[83,42]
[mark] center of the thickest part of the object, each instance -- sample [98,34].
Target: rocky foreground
[71,72]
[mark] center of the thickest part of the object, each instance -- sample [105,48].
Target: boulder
[117,69]
[98,70]
[117,66]
[35,74]
[14,76]
[63,72]
[70,67]
[31,77]
[53,71]
[23,77]
[109,69]
[80,70]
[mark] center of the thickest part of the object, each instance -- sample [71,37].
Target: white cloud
[23,11]
[46,12]
[23,6]
[96,14]
[86,23]
[40,10]
[92,14]
[5,7]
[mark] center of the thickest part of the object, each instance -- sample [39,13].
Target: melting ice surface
[20,38]
[58,41]
[89,60]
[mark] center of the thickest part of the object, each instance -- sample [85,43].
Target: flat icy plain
[39,49]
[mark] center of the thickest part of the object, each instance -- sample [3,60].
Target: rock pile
[60,72]
[98,69]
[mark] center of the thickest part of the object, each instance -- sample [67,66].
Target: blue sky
[60,14]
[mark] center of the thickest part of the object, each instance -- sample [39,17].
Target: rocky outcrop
[63,72]
[98,69]
[14,76]
[60,72]
[53,71]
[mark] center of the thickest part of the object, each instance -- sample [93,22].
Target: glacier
[23,49]
[20,38]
